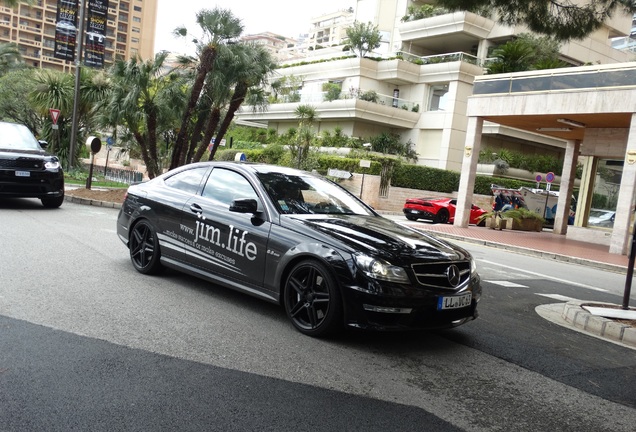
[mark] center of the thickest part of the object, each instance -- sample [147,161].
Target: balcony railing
[558,80]
[369,96]
[441,58]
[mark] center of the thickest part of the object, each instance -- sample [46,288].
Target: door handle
[196,208]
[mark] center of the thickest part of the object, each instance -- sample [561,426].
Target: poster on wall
[65,29]
[95,33]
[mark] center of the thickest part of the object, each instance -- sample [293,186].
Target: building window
[137,8]
[135,30]
[438,99]
[136,19]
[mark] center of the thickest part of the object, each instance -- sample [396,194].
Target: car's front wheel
[52,202]
[144,248]
[312,300]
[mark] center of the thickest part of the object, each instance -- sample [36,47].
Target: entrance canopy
[590,108]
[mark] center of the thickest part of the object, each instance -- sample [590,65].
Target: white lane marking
[506,284]
[565,281]
[557,297]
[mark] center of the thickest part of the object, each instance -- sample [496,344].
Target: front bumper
[416,309]
[39,184]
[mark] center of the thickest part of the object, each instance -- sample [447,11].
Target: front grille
[22,163]
[436,274]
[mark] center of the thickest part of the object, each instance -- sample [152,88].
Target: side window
[187,181]
[225,186]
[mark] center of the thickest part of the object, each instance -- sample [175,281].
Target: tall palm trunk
[179,151]
[204,113]
[239,96]
[213,122]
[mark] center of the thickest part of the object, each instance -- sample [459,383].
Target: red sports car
[439,210]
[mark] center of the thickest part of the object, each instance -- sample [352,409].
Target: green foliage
[389,143]
[438,180]
[527,52]
[332,91]
[562,19]
[363,38]
[530,162]
[414,12]
[369,96]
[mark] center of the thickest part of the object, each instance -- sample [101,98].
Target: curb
[533,252]
[84,201]
[605,328]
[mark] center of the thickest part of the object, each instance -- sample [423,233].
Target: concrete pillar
[619,241]
[567,185]
[482,50]
[469,171]
[586,191]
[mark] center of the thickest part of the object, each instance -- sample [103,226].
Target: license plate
[414,211]
[454,302]
[23,174]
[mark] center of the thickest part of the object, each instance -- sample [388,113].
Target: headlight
[473,266]
[52,165]
[379,269]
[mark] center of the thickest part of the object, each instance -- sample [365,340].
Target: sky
[285,17]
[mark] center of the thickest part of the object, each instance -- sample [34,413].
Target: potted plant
[516,219]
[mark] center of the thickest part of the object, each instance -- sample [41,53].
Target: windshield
[17,137]
[307,194]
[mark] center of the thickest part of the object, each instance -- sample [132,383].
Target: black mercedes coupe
[300,240]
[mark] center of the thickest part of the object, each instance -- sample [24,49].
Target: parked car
[300,240]
[26,169]
[438,210]
[601,218]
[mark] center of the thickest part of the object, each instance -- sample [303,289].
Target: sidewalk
[546,244]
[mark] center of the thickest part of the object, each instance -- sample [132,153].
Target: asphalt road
[87,343]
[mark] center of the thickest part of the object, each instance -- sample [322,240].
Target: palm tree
[55,89]
[252,66]
[219,27]
[143,99]
[306,116]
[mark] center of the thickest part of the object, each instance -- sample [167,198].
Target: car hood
[379,236]
[18,153]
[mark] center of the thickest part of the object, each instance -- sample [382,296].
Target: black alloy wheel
[441,216]
[312,300]
[144,248]
[52,202]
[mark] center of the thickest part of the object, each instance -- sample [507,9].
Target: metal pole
[630,270]
[78,68]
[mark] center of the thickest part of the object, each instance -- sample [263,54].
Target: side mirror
[244,205]
[43,144]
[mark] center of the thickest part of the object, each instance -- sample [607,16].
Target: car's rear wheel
[441,216]
[144,248]
[411,217]
[312,299]
[52,202]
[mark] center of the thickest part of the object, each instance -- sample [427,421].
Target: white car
[601,218]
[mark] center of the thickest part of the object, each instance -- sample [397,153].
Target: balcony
[383,112]
[458,31]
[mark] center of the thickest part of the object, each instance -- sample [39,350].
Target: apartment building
[280,47]
[421,86]
[130,30]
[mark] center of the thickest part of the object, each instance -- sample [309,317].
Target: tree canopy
[561,19]
[363,38]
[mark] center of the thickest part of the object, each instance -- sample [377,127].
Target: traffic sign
[55,114]
[549,177]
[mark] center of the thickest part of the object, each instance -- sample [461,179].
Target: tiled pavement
[544,243]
